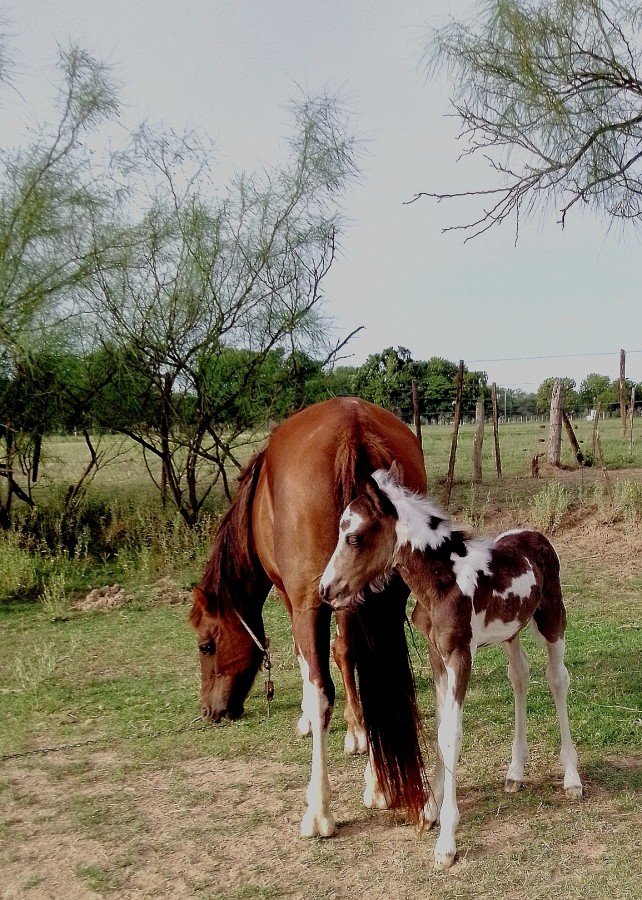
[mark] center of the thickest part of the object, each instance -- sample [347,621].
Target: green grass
[145,800]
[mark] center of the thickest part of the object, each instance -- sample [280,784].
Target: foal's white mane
[423,524]
[415,514]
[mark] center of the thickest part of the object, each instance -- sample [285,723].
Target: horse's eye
[353,540]
[208,648]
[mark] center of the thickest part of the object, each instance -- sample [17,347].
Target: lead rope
[267,661]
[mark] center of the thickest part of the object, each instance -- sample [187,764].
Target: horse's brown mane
[233,562]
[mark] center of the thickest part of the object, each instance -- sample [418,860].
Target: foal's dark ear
[395,471]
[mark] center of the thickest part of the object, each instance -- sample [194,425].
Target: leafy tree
[50,191]
[596,389]
[386,379]
[549,92]
[209,298]
[545,392]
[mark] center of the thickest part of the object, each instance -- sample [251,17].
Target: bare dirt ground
[92,823]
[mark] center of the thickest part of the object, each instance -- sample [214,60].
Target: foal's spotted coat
[470,592]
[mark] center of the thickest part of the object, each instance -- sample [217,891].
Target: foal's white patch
[521,586]
[493,632]
[415,513]
[468,568]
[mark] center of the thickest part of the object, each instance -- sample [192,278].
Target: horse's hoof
[574,792]
[313,825]
[444,861]
[355,742]
[373,798]
[513,787]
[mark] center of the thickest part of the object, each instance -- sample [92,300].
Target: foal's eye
[353,540]
[208,648]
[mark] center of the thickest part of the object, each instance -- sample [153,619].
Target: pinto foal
[470,593]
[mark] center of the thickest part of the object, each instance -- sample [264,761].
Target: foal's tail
[388,698]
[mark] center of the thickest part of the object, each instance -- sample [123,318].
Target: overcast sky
[231,67]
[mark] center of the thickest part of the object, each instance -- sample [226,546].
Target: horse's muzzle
[215,716]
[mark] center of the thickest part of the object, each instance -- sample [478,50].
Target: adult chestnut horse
[281,530]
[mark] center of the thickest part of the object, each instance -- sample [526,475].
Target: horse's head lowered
[364,555]
[230,656]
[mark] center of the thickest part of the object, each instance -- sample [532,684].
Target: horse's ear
[199,606]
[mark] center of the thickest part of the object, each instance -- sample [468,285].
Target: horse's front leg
[449,737]
[312,641]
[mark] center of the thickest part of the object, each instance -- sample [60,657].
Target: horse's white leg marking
[449,736]
[558,681]
[518,675]
[318,818]
[373,796]
[355,741]
[304,726]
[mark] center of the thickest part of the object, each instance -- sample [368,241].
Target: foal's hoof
[513,787]
[574,792]
[444,861]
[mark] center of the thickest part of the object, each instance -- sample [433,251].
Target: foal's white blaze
[350,522]
[521,586]
[468,568]
[318,819]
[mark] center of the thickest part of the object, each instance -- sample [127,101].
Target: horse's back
[315,462]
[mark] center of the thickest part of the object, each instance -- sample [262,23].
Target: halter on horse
[281,530]
[470,593]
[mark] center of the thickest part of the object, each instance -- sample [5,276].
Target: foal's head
[364,555]
[229,658]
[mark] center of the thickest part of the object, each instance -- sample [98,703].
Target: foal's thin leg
[433,805]
[558,681]
[518,675]
[449,735]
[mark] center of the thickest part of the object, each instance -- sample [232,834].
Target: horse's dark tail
[388,698]
[377,634]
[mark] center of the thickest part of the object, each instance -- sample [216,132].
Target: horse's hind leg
[558,681]
[355,740]
[311,629]
[518,676]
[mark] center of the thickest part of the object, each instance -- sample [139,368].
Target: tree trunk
[555,427]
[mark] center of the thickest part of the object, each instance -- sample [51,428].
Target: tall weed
[626,502]
[549,505]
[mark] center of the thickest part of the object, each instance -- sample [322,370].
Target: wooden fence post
[596,426]
[555,426]
[623,391]
[498,461]
[415,411]
[478,442]
[453,443]
[579,456]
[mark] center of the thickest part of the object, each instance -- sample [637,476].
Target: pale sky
[231,67]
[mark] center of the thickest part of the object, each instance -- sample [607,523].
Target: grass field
[143,801]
